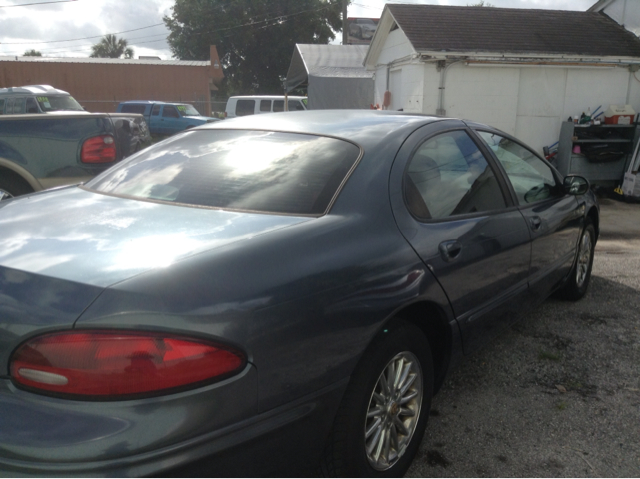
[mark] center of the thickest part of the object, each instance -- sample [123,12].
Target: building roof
[107,61]
[435,28]
[331,61]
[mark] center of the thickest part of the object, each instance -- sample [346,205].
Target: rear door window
[295,105]
[270,172]
[245,107]
[32,105]
[278,105]
[447,176]
[19,105]
[265,105]
[156,110]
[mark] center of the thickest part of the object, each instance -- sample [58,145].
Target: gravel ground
[558,395]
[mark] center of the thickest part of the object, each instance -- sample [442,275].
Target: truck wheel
[11,185]
[383,414]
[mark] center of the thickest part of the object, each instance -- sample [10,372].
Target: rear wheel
[578,282]
[384,412]
[11,185]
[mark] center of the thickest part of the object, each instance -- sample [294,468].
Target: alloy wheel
[394,410]
[584,258]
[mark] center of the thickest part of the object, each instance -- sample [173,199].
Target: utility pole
[345,30]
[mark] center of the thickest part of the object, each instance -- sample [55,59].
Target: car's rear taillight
[119,365]
[99,149]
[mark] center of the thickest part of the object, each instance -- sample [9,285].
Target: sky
[68,28]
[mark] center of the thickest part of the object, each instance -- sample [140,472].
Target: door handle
[450,250]
[535,223]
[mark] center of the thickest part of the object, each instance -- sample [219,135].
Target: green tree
[111,47]
[481,3]
[32,53]
[254,38]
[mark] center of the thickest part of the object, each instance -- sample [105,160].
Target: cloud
[83,18]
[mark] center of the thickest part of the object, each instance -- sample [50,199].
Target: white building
[523,71]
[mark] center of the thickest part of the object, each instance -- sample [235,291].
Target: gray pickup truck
[44,151]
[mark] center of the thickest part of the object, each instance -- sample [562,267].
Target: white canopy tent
[334,76]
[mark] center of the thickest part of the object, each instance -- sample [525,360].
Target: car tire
[377,431]
[11,185]
[578,282]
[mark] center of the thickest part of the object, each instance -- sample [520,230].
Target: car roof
[32,90]
[151,102]
[364,127]
[140,102]
[267,97]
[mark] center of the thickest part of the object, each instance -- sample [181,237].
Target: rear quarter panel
[48,147]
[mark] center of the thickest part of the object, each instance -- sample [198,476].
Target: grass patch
[561,406]
[546,355]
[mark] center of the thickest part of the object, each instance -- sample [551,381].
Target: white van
[36,99]
[253,105]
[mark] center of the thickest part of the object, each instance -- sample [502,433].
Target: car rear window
[270,172]
[133,109]
[58,103]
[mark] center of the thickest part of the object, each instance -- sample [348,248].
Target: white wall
[615,10]
[627,15]
[396,46]
[527,102]
[541,95]
[486,95]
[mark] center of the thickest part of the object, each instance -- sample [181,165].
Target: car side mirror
[575,185]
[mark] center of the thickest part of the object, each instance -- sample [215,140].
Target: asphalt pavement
[557,395]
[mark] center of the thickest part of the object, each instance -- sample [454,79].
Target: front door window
[530,177]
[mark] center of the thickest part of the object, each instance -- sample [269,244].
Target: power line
[262,24]
[84,38]
[38,3]
[278,18]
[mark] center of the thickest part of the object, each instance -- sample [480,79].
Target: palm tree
[111,47]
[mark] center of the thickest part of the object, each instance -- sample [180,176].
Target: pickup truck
[166,118]
[44,151]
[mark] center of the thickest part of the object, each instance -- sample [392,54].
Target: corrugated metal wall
[99,87]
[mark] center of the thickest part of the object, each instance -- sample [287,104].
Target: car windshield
[262,171]
[187,110]
[58,103]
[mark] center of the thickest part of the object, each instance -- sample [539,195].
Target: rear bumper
[285,441]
